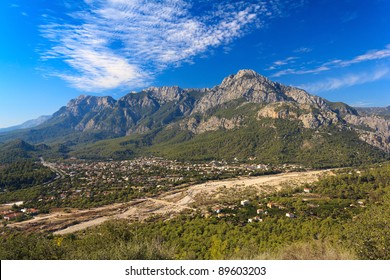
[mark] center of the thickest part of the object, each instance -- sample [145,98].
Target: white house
[244,202]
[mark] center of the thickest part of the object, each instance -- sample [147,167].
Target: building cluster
[10,215]
[86,179]
[257,211]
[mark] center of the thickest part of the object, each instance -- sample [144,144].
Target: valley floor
[194,198]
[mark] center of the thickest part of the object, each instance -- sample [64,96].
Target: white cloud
[279,63]
[370,55]
[125,43]
[285,61]
[347,81]
[300,72]
[101,70]
[337,63]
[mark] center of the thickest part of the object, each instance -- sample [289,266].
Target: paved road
[60,173]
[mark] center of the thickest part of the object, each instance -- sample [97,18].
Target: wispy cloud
[347,81]
[125,43]
[300,72]
[349,17]
[338,63]
[283,62]
[361,104]
[370,55]
[303,50]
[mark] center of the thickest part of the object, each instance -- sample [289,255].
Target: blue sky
[53,51]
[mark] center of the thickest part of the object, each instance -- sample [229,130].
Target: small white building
[257,219]
[259,211]
[360,202]
[244,202]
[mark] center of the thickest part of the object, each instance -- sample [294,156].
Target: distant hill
[27,124]
[246,117]
[379,111]
[15,150]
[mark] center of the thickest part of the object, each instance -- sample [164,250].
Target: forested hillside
[23,174]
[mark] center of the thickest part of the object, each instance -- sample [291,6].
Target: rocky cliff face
[306,113]
[133,113]
[86,104]
[282,101]
[165,94]
[372,129]
[211,124]
[246,84]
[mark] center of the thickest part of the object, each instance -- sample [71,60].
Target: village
[82,183]
[85,184]
[88,193]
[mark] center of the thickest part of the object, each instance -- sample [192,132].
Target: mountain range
[247,116]
[26,124]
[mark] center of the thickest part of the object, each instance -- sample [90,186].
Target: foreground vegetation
[345,216]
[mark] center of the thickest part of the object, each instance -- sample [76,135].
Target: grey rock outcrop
[165,94]
[378,132]
[305,113]
[211,124]
[246,84]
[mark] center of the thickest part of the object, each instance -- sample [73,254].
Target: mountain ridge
[159,115]
[27,124]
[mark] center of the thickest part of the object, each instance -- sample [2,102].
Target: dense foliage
[267,140]
[23,174]
[275,141]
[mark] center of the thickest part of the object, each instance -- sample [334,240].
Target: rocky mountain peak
[92,100]
[86,103]
[166,93]
[247,73]
[246,76]
[246,84]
